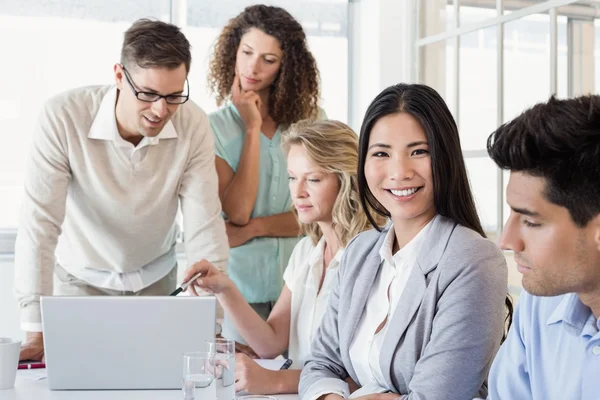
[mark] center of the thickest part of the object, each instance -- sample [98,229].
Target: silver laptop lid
[134,342]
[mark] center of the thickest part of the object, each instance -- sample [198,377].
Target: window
[58,45]
[490,62]
[53,46]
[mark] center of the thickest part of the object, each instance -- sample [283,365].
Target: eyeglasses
[150,97]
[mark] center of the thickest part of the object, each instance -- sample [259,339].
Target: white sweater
[84,200]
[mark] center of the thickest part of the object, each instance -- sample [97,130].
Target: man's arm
[204,228]
[509,376]
[41,216]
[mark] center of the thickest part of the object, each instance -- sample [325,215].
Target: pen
[31,365]
[185,285]
[286,364]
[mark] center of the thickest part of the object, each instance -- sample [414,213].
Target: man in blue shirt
[553,347]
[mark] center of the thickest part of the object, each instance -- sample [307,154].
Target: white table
[26,389]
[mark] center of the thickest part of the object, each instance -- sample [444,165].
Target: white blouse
[302,276]
[365,348]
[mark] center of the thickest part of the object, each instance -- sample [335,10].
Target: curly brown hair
[295,92]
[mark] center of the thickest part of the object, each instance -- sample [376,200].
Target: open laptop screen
[133,342]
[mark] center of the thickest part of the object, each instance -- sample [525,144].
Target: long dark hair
[452,195]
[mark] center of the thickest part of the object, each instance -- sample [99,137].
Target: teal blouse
[257,266]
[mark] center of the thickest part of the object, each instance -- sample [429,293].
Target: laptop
[113,342]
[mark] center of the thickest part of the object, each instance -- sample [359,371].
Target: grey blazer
[446,328]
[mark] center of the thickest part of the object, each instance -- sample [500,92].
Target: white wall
[381,50]
[9,316]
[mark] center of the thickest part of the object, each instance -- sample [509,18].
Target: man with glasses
[108,169]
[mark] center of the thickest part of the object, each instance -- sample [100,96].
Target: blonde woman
[322,158]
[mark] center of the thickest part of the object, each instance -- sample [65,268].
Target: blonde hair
[333,146]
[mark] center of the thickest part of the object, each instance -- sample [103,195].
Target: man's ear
[118,70]
[594,225]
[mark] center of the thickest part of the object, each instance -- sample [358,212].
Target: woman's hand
[212,279]
[251,377]
[248,104]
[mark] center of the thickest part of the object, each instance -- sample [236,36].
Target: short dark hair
[559,141]
[150,43]
[452,195]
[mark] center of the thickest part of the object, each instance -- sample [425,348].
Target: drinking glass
[199,376]
[224,354]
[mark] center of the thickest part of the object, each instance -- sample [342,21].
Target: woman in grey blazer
[418,309]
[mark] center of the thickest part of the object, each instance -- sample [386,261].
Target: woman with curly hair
[322,159]
[265,79]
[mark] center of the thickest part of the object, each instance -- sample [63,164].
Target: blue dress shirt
[552,352]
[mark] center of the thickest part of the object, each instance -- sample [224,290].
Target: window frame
[455,33]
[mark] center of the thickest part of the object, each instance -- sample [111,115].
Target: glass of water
[224,354]
[199,376]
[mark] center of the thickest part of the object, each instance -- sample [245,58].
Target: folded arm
[238,190]
[278,225]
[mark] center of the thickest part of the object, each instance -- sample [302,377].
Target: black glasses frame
[154,97]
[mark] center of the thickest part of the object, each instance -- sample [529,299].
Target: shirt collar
[315,260]
[104,126]
[409,252]
[577,317]
[316,256]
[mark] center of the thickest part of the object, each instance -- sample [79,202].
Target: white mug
[9,361]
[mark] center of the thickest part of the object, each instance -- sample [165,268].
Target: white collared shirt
[104,127]
[365,349]
[134,154]
[303,276]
